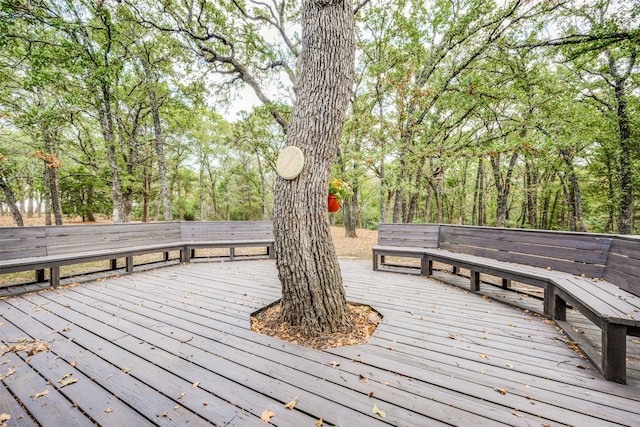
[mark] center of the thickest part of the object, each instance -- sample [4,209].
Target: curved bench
[51,247]
[597,274]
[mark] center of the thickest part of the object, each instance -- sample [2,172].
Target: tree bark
[159,142]
[313,296]
[11,201]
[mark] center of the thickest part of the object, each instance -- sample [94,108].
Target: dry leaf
[501,390]
[319,422]
[175,408]
[10,372]
[164,414]
[292,404]
[4,417]
[377,411]
[67,380]
[72,364]
[334,364]
[181,395]
[205,403]
[108,410]
[39,395]
[364,379]
[126,370]
[267,415]
[370,394]
[484,356]
[385,383]
[195,385]
[510,366]
[517,414]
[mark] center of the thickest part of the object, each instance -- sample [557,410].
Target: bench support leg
[54,276]
[40,276]
[614,352]
[192,253]
[424,266]
[506,283]
[474,277]
[232,253]
[555,307]
[114,264]
[130,264]
[185,255]
[430,267]
[454,270]
[166,256]
[271,252]
[375,261]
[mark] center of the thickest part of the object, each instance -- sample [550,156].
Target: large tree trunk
[313,297]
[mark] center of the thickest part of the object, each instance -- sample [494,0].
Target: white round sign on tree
[290,162]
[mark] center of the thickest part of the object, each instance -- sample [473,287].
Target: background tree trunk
[313,296]
[11,201]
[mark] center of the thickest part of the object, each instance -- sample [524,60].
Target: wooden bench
[599,275]
[230,234]
[51,247]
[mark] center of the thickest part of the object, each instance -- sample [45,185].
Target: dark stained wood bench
[597,274]
[51,247]
[229,234]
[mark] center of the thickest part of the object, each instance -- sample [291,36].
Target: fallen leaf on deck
[292,404]
[10,372]
[581,367]
[517,414]
[181,395]
[501,390]
[67,380]
[126,370]
[364,379]
[635,341]
[333,363]
[484,356]
[319,422]
[267,415]
[4,362]
[195,385]
[205,403]
[164,414]
[385,383]
[370,394]
[4,417]
[175,408]
[510,366]
[39,395]
[72,364]
[377,411]
[108,410]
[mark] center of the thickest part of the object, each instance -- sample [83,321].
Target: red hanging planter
[333,203]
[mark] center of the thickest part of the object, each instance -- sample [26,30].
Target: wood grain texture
[438,358]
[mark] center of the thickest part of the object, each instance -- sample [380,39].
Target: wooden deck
[173,346]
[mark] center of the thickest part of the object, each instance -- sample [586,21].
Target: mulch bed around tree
[364,322]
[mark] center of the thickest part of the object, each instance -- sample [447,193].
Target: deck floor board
[173,346]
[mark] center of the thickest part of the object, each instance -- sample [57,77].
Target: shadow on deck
[173,346]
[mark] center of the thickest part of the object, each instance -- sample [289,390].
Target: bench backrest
[623,263]
[575,253]
[226,231]
[22,242]
[87,238]
[411,235]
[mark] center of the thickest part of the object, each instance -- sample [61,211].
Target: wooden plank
[623,264]
[142,398]
[8,405]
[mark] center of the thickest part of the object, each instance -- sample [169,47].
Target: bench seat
[50,247]
[54,262]
[598,275]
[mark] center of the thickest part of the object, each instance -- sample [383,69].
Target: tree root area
[363,322]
